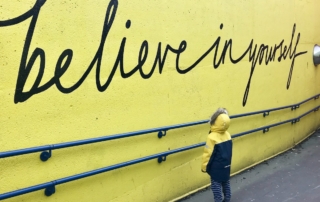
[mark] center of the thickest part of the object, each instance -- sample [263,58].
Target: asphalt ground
[293,176]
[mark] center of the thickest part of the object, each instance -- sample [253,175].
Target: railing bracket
[295,121]
[162,158]
[50,190]
[265,130]
[265,114]
[45,155]
[317,97]
[295,107]
[162,133]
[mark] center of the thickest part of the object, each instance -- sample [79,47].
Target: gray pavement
[293,176]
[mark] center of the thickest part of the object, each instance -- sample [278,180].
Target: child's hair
[219,111]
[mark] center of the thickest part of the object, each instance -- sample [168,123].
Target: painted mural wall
[72,70]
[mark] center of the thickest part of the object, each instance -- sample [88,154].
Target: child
[216,158]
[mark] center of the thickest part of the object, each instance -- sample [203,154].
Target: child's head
[214,116]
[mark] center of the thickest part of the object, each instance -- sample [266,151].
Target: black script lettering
[61,69]
[269,57]
[25,68]
[257,54]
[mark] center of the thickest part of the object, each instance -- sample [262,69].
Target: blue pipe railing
[50,186]
[47,149]
[266,128]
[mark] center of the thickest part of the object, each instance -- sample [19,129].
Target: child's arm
[208,149]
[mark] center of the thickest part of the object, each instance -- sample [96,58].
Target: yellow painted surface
[49,106]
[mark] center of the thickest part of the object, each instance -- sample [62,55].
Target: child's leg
[217,190]
[226,190]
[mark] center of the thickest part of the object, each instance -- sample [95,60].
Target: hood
[221,124]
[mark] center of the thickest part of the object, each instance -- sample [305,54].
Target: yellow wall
[40,112]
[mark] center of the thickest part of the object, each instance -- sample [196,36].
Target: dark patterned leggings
[221,187]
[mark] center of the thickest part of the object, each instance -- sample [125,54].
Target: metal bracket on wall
[50,190]
[45,155]
[317,97]
[162,133]
[265,130]
[266,114]
[295,107]
[162,158]
[295,121]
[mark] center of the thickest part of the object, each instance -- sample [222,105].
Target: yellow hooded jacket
[217,155]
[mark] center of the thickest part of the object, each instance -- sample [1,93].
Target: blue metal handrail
[46,149]
[50,186]
[93,140]
[266,128]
